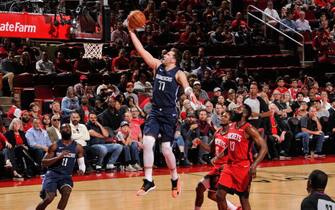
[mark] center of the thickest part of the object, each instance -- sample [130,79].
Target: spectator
[228,82]
[216,93]
[14,110]
[203,96]
[330,90]
[216,37]
[293,90]
[8,157]
[143,85]
[186,62]
[238,22]
[85,109]
[206,131]
[129,92]
[82,66]
[203,66]
[324,100]
[189,131]
[119,38]
[46,122]
[322,112]
[303,24]
[111,116]
[215,119]
[70,104]
[120,63]
[79,88]
[302,110]
[124,138]
[62,65]
[136,136]
[26,120]
[34,109]
[21,160]
[25,64]
[98,137]
[55,108]
[236,103]
[80,133]
[272,14]
[311,127]
[281,85]
[54,130]
[208,106]
[9,67]
[316,185]
[281,138]
[231,97]
[185,36]
[45,66]
[38,140]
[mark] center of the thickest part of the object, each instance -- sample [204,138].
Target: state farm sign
[17,27]
[29,25]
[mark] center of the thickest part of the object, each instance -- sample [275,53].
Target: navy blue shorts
[162,122]
[53,181]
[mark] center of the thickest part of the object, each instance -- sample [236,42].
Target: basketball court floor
[279,185]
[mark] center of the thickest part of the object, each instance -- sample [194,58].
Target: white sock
[230,205]
[148,156]
[181,148]
[170,159]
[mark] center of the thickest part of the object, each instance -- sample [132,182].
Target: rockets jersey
[66,165]
[239,145]
[165,88]
[221,143]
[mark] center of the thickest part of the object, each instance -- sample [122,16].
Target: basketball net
[93,50]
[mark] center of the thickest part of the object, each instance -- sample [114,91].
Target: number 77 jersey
[165,88]
[240,145]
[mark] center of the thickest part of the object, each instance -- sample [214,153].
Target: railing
[251,8]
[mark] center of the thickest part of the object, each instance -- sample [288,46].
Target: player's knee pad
[166,148]
[148,143]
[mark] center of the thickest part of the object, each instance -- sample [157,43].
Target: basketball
[136,19]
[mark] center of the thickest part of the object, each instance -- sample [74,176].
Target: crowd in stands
[296,116]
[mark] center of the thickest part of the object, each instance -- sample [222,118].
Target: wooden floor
[275,188]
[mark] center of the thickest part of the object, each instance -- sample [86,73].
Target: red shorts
[236,177]
[216,170]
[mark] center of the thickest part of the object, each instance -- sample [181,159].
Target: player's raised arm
[263,148]
[147,57]
[50,158]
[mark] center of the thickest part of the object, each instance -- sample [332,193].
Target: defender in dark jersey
[163,117]
[218,146]
[60,161]
[240,167]
[317,199]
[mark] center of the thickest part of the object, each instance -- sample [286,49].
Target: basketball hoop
[93,50]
